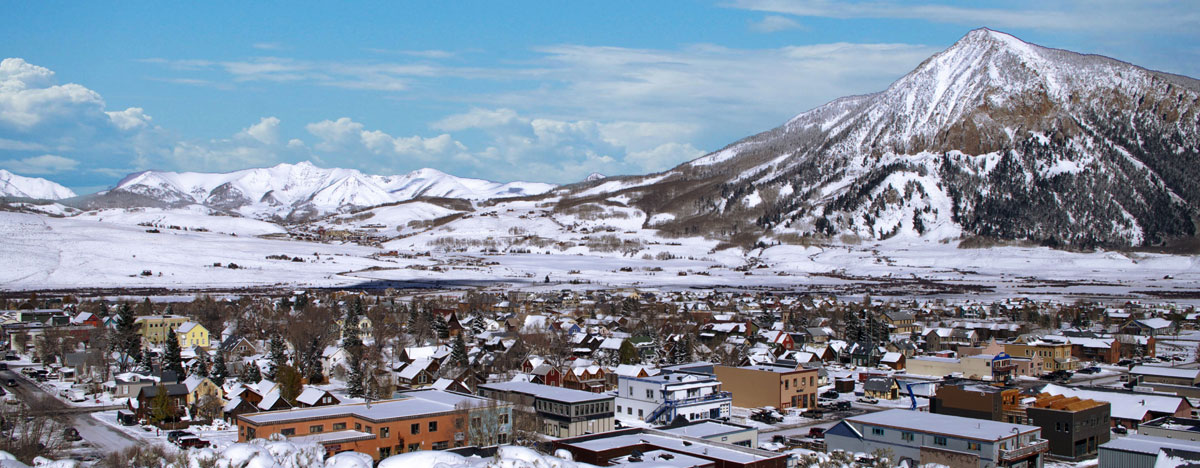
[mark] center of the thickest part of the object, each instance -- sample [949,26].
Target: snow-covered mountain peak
[12,185]
[594,176]
[306,189]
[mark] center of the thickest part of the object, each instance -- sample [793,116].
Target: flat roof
[775,369]
[705,429]
[1166,372]
[411,404]
[333,437]
[675,444]
[1150,445]
[954,426]
[548,392]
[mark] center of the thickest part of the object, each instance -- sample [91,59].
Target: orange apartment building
[765,385]
[418,420]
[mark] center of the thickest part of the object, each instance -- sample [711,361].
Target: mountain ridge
[13,185]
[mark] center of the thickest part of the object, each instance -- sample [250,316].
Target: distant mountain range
[12,185]
[993,138]
[297,191]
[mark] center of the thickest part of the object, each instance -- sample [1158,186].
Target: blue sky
[541,91]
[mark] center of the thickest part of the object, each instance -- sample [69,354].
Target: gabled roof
[312,395]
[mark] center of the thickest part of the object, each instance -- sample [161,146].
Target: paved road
[105,438]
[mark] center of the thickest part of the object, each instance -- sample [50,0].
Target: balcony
[1037,446]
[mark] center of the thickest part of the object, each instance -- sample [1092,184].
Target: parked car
[868,400]
[1125,362]
[71,434]
[1090,370]
[12,357]
[3,366]
[1120,430]
[192,442]
[832,394]
[817,433]
[767,415]
[11,383]
[77,397]
[174,436]
[840,406]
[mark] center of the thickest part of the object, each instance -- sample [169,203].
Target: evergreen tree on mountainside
[172,356]
[220,371]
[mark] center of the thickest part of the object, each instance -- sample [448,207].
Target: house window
[432,426]
[317,428]
[415,428]
[339,426]
[368,430]
[474,422]
[357,426]
[640,413]
[650,394]
[384,432]
[443,445]
[458,423]
[939,441]
[288,432]
[504,418]
[618,408]
[907,436]
[502,438]
[972,445]
[876,431]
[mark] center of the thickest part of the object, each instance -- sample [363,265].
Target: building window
[384,432]
[414,447]
[504,418]
[939,441]
[317,428]
[368,430]
[907,436]
[640,413]
[415,428]
[339,426]
[618,408]
[458,423]
[502,438]
[972,445]
[650,394]
[432,426]
[357,426]
[876,431]
[443,445]
[288,432]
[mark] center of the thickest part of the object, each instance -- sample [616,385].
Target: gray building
[563,412]
[1170,427]
[937,438]
[1143,451]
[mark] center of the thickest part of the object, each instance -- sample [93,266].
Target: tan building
[1055,356]
[762,385]
[155,329]
[979,366]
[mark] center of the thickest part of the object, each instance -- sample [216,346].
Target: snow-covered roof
[891,357]
[918,421]
[310,395]
[560,394]
[410,404]
[1124,405]
[1160,371]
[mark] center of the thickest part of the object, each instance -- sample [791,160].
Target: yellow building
[192,334]
[156,328]
[1055,356]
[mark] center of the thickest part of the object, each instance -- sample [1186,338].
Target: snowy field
[110,250]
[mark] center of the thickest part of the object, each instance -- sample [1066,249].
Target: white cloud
[1084,15]
[268,46]
[477,118]
[44,164]
[347,136]
[130,119]
[30,99]
[774,23]
[265,131]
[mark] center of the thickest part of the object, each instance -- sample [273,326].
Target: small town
[612,377]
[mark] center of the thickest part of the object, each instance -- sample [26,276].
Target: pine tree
[172,359]
[128,341]
[145,361]
[201,366]
[219,371]
[440,327]
[458,351]
[311,365]
[251,374]
[628,353]
[353,345]
[276,357]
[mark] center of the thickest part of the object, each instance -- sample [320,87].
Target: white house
[663,397]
